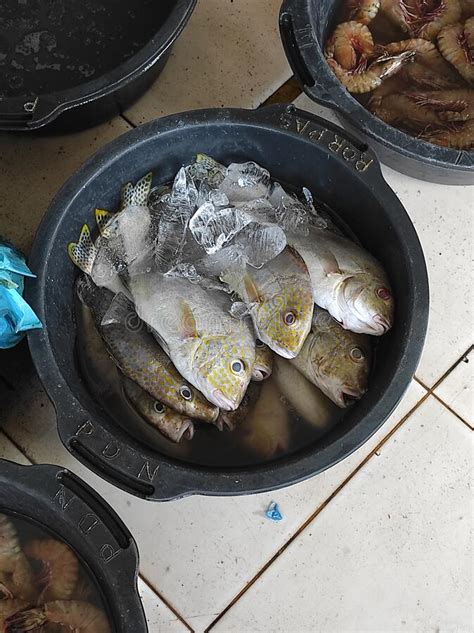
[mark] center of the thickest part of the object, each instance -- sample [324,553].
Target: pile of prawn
[411,63]
[43,588]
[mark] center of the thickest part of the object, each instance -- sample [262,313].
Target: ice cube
[213,227]
[260,243]
[245,181]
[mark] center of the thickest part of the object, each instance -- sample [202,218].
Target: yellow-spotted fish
[335,360]
[278,297]
[209,347]
[262,368]
[173,425]
[139,356]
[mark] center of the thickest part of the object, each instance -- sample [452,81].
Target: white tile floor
[381,542]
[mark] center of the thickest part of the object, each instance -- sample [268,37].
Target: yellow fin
[187,325]
[251,290]
[102,218]
[84,252]
[142,189]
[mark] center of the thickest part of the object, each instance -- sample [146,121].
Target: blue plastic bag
[16,316]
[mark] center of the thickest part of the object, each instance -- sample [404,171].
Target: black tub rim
[24,114]
[101,539]
[319,83]
[179,479]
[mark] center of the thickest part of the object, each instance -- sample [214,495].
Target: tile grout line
[127,120]
[18,447]
[436,397]
[286,93]
[165,601]
[318,510]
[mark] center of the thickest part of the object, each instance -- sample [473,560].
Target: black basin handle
[27,111]
[127,465]
[347,147]
[292,50]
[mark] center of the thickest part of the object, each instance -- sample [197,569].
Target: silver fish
[347,281]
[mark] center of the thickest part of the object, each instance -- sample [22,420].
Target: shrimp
[428,17]
[7,608]
[81,617]
[456,43]
[366,80]
[351,45]
[16,576]
[396,11]
[363,11]
[60,568]
[403,110]
[467,8]
[428,69]
[453,135]
[450,105]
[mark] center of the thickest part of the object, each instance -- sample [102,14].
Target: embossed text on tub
[148,472]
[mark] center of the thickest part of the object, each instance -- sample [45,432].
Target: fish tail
[137,194]
[84,252]
[102,218]
[142,189]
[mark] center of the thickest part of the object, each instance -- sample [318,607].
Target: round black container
[304,27]
[83,61]
[60,503]
[296,148]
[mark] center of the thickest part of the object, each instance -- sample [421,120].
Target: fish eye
[259,343]
[159,407]
[289,318]
[185,392]
[357,354]
[383,293]
[237,366]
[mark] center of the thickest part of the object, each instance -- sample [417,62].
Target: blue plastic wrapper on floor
[16,316]
[273,512]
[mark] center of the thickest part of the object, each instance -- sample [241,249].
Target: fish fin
[187,325]
[251,290]
[141,191]
[239,310]
[126,196]
[102,218]
[121,312]
[84,252]
[329,263]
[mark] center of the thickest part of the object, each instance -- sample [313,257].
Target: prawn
[404,110]
[467,8]
[350,45]
[362,11]
[7,608]
[363,80]
[428,68]
[81,617]
[428,17]
[450,105]
[16,576]
[60,568]
[456,44]
[396,11]
[453,135]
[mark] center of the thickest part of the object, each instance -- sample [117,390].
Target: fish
[347,281]
[138,355]
[265,430]
[278,298]
[262,368]
[210,348]
[307,400]
[173,425]
[233,419]
[336,360]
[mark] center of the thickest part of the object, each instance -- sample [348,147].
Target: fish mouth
[259,374]
[283,351]
[347,396]
[382,324]
[224,402]
[186,431]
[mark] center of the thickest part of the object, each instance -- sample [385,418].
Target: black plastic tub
[82,61]
[297,148]
[304,27]
[57,502]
